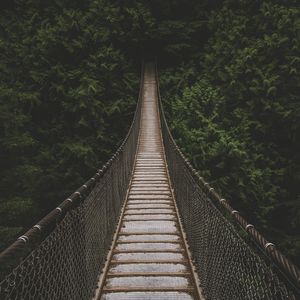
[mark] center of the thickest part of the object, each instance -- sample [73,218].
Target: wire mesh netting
[67,263]
[227,267]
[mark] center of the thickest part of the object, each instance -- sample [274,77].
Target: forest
[229,79]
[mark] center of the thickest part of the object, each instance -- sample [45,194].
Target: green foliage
[67,94]
[236,113]
[230,82]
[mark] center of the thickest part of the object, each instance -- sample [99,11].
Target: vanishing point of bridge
[149,257]
[146,226]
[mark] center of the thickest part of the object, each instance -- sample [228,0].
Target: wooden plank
[148,289]
[150,261]
[148,233]
[149,251]
[149,241]
[128,274]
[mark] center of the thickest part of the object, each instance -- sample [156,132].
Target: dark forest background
[229,76]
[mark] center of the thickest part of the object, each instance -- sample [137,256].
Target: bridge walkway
[149,257]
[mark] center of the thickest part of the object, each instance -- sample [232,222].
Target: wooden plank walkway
[149,257]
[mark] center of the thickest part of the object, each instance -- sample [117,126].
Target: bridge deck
[149,258]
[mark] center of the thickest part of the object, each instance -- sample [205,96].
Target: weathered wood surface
[149,258]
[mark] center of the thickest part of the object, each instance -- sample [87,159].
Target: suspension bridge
[146,226]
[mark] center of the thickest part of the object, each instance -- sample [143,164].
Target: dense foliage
[234,110]
[67,96]
[229,80]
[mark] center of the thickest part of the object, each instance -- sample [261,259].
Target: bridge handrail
[290,271]
[52,217]
[121,164]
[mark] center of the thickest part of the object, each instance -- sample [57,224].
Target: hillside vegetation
[67,98]
[234,110]
[229,75]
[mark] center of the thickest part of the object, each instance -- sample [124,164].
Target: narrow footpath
[149,258]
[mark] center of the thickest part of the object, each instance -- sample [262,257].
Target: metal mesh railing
[69,246]
[228,266]
[67,263]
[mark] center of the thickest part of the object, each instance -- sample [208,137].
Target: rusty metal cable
[60,257]
[68,247]
[226,263]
